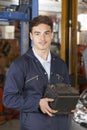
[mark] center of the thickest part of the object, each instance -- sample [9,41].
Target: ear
[30,35]
[52,35]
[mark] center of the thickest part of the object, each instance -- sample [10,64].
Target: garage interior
[69,42]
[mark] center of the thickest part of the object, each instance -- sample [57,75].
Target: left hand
[85,109]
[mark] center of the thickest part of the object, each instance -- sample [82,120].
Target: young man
[28,77]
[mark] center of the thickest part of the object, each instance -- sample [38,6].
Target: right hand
[45,108]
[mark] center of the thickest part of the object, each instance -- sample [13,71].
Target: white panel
[48,5]
[9,2]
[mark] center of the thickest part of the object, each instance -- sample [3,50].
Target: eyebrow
[45,31]
[36,32]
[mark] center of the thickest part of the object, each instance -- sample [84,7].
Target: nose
[42,37]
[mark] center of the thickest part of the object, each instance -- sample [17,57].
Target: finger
[74,110]
[85,109]
[54,111]
[51,110]
[49,113]
[49,99]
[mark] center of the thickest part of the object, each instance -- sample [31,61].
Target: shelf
[50,6]
[9,2]
[23,13]
[14,15]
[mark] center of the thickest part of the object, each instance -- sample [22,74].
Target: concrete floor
[13,124]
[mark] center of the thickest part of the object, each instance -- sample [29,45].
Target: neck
[42,53]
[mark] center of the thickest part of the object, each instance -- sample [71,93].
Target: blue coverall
[25,85]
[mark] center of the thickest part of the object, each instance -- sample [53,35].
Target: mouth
[43,43]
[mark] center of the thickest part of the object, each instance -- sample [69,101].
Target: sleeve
[67,75]
[13,94]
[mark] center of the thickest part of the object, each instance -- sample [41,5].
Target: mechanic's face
[41,36]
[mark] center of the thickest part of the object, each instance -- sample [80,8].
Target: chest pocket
[57,78]
[34,78]
[34,83]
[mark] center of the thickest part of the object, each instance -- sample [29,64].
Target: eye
[37,34]
[47,33]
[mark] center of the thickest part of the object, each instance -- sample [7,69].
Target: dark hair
[41,19]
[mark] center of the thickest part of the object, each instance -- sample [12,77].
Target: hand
[74,110]
[45,108]
[85,109]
